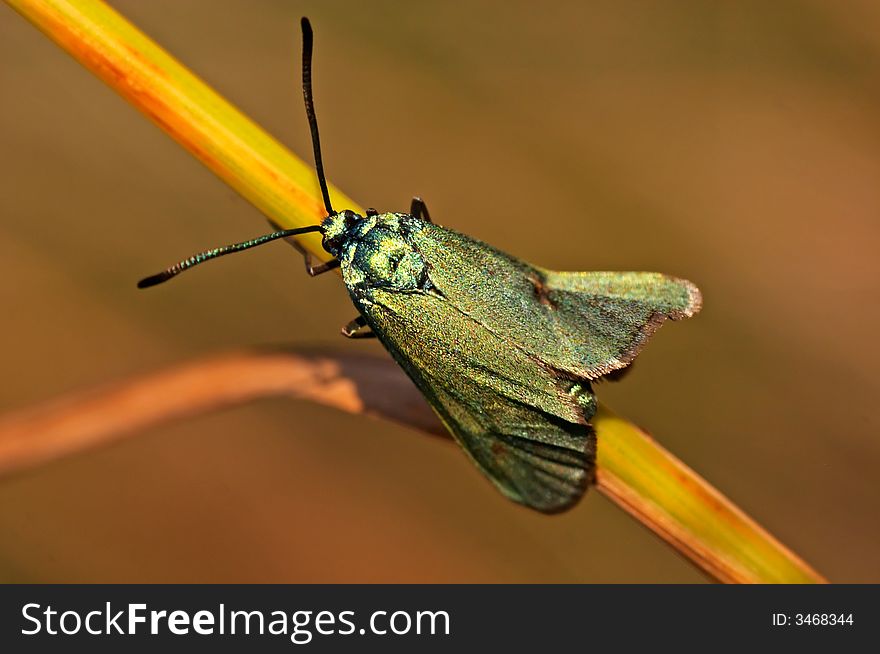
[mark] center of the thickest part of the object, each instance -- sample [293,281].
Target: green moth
[505,352]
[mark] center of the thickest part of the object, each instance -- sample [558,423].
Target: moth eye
[350,218]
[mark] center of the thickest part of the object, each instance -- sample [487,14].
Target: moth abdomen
[582,393]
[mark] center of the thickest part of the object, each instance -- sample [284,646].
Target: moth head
[338,228]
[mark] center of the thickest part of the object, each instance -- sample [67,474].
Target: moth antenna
[308,39]
[207,255]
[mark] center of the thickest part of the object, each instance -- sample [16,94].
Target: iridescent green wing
[607,317]
[524,424]
[587,324]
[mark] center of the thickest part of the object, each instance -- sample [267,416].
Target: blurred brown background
[736,144]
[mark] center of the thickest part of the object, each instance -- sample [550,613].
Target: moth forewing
[585,323]
[524,424]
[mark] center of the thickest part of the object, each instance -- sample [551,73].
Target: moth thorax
[386,258]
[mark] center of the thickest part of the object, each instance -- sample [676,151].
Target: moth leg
[358,328]
[311,268]
[419,209]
